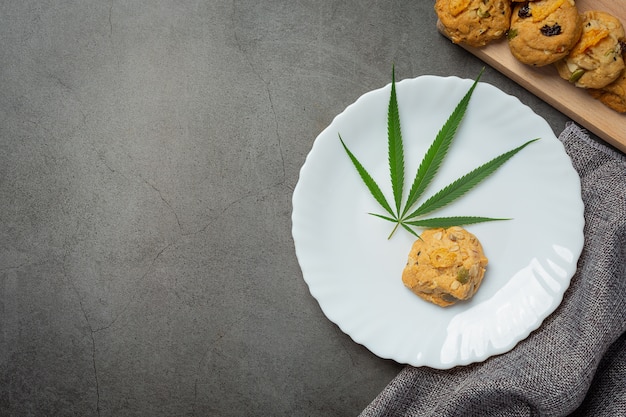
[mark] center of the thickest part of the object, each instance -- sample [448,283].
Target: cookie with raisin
[445,266]
[596,60]
[473,22]
[543,32]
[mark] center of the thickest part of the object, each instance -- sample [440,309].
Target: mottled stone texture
[148,154]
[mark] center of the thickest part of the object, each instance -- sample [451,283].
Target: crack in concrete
[276,130]
[149,269]
[268,91]
[93,358]
[136,176]
[180,227]
[225,209]
[91,332]
[140,177]
[204,356]
[102,158]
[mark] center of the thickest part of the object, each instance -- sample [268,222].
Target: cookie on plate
[544,31]
[596,60]
[613,95]
[474,22]
[445,266]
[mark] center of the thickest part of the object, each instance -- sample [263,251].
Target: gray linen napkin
[575,363]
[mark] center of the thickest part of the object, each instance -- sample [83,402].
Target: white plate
[354,272]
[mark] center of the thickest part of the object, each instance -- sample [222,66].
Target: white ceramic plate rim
[354,271]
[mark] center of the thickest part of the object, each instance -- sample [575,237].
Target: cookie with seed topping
[596,60]
[445,266]
[543,32]
[473,22]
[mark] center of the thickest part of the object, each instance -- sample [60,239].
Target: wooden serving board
[546,84]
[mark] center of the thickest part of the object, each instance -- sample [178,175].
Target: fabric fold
[574,364]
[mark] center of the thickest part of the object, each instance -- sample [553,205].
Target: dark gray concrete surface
[148,155]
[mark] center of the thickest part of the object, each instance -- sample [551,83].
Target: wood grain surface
[546,84]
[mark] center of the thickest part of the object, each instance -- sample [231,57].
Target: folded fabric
[575,363]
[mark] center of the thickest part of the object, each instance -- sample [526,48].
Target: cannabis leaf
[401,214]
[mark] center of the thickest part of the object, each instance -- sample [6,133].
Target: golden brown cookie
[445,266]
[596,60]
[544,31]
[474,22]
[613,95]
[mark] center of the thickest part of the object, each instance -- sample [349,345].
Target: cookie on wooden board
[596,60]
[544,31]
[474,22]
[613,95]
